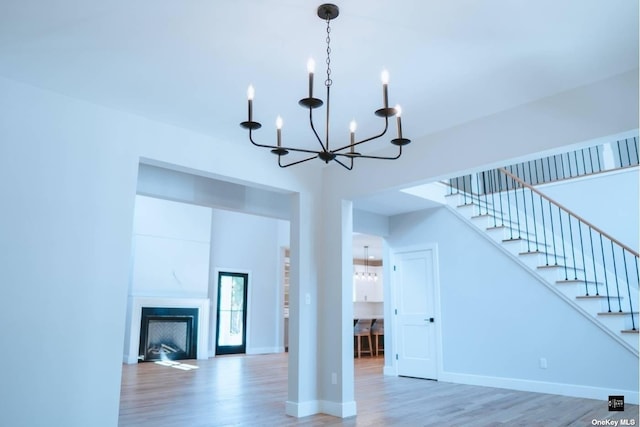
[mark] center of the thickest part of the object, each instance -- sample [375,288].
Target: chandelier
[366,275]
[344,154]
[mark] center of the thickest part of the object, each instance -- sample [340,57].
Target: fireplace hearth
[168,333]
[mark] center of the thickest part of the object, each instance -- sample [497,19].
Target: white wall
[498,321]
[251,244]
[170,249]
[67,179]
[607,200]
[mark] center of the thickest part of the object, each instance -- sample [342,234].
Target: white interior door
[415,314]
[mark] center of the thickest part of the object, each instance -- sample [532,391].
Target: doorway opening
[231,330]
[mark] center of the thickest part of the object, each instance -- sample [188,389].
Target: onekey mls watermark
[615,404]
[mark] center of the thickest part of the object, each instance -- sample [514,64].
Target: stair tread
[524,239]
[554,266]
[599,297]
[541,253]
[616,313]
[629,331]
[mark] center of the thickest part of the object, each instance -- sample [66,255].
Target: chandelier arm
[381,134]
[294,163]
[350,167]
[364,156]
[299,150]
[258,144]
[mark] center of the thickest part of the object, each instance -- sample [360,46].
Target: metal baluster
[526,220]
[500,194]
[535,167]
[615,274]
[464,188]
[584,265]
[544,232]
[575,155]
[590,160]
[535,225]
[484,191]
[633,323]
[515,196]
[493,196]
[606,280]
[598,152]
[593,260]
[553,235]
[584,163]
[573,250]
[564,256]
[549,167]
[619,153]
[626,144]
[506,179]
[569,165]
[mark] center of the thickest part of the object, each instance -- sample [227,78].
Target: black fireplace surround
[168,334]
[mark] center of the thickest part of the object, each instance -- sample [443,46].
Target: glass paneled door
[231,331]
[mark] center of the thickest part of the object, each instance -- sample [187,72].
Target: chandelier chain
[328,82]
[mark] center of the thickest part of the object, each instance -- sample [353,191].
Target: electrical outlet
[543,363]
[334,378]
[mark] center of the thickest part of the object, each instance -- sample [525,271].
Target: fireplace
[168,333]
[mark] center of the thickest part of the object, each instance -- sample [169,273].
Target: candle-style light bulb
[250,94]
[352,132]
[279,130]
[398,122]
[311,66]
[385,82]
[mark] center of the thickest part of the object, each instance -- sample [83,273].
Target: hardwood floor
[251,391]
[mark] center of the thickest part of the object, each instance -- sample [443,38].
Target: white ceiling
[189,62]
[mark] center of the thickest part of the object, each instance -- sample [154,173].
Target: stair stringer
[573,304]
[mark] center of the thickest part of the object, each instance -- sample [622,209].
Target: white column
[302,399]
[335,310]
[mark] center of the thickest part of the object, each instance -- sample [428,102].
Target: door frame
[214,303]
[396,253]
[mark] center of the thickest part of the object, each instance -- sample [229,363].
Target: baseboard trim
[302,409]
[389,371]
[264,350]
[572,390]
[312,407]
[129,360]
[337,409]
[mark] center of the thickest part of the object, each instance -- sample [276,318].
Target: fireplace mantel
[134,317]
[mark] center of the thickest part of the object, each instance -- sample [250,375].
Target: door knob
[431,320]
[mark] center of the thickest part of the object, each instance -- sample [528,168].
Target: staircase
[588,268]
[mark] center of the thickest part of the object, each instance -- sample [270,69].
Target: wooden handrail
[576,216]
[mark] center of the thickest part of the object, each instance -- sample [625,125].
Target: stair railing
[585,253]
